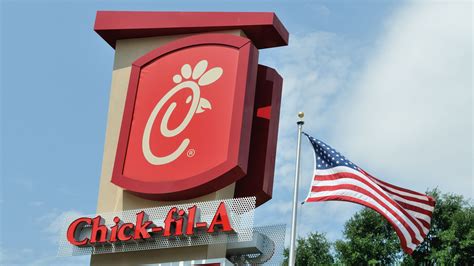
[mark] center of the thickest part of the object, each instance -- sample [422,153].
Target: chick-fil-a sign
[187,120]
[178,222]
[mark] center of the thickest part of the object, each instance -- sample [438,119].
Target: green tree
[369,239]
[451,237]
[313,250]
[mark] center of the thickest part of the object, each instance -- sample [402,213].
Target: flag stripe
[408,222]
[348,195]
[421,217]
[362,175]
[377,193]
[413,203]
[414,208]
[410,198]
[402,191]
[425,224]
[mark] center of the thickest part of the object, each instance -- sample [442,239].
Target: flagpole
[292,257]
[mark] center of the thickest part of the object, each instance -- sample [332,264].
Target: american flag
[337,178]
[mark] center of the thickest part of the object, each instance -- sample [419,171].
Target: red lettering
[141,228]
[179,223]
[74,230]
[221,219]
[169,221]
[114,229]
[191,220]
[99,231]
[123,233]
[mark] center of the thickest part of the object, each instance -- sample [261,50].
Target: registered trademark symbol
[191,153]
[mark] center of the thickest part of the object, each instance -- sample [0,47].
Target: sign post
[190,112]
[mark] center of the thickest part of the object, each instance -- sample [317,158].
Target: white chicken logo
[192,79]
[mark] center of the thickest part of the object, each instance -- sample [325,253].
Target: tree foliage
[369,239]
[313,250]
[451,237]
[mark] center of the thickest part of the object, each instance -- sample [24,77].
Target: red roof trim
[264,29]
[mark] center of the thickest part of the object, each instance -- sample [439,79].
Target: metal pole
[292,257]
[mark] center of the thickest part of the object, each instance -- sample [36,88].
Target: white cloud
[10,256]
[315,67]
[406,119]
[327,217]
[410,115]
[54,221]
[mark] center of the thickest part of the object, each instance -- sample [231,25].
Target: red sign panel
[260,173]
[187,119]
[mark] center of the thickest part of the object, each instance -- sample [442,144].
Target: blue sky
[386,83]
